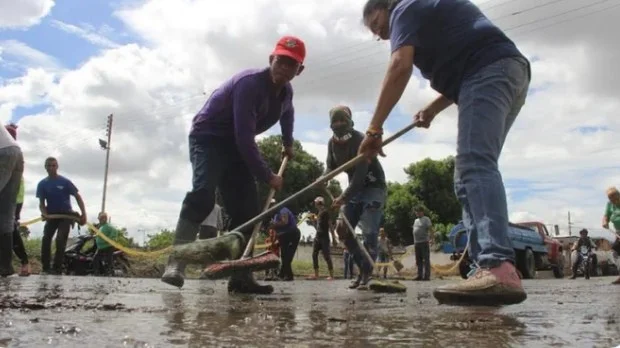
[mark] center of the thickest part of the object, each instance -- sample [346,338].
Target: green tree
[124,239]
[433,183]
[160,240]
[303,170]
[398,212]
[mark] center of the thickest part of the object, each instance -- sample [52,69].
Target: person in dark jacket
[288,234]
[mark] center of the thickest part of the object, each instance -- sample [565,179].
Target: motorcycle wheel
[586,271]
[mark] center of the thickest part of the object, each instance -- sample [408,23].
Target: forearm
[43,209]
[81,205]
[394,84]
[286,124]
[439,104]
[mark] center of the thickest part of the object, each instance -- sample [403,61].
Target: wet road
[44,311]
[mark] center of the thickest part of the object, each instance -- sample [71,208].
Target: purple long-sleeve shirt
[243,107]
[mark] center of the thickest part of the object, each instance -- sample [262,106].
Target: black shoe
[356,283]
[244,283]
[417,279]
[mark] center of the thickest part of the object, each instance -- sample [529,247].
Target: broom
[267,260]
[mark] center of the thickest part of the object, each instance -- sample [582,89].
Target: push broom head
[225,269]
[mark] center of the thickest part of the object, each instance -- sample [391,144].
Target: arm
[404,26]
[41,197]
[287,122]
[438,105]
[244,96]
[359,176]
[607,215]
[330,164]
[281,219]
[78,197]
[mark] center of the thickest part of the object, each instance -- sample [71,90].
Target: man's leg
[353,211]
[207,232]
[316,247]
[325,248]
[576,264]
[489,102]
[373,200]
[293,244]
[417,247]
[208,164]
[240,198]
[426,257]
[49,230]
[98,263]
[11,170]
[64,227]
[345,257]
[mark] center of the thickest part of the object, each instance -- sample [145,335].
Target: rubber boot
[575,267]
[185,232]
[6,254]
[364,268]
[228,246]
[244,283]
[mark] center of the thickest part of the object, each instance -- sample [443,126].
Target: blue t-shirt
[292,221]
[57,194]
[453,39]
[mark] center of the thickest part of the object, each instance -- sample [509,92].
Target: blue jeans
[348,264]
[489,103]
[366,209]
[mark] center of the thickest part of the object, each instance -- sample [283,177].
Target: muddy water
[50,311]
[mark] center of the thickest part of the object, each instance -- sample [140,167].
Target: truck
[535,249]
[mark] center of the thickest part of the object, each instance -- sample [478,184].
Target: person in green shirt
[612,210]
[103,256]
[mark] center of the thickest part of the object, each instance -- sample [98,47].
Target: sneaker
[487,287]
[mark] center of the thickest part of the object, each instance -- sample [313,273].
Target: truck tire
[527,264]
[558,270]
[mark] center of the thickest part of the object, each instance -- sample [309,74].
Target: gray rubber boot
[185,232]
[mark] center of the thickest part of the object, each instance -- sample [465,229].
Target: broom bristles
[225,269]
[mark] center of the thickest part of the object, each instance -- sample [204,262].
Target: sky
[66,65]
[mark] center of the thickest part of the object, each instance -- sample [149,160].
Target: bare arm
[42,207]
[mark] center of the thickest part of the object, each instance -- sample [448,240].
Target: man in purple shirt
[224,154]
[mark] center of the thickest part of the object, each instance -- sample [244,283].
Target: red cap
[12,129]
[291,46]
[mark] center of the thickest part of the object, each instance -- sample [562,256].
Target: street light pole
[107,160]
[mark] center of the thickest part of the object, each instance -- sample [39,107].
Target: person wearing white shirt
[11,171]
[212,224]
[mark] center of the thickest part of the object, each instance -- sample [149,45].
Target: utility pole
[106,146]
[570,224]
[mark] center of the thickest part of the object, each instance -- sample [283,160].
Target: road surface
[44,311]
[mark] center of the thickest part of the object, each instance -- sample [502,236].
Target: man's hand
[424,118]
[276,182]
[371,147]
[338,201]
[43,217]
[287,151]
[606,225]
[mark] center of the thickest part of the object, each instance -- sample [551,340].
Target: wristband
[372,134]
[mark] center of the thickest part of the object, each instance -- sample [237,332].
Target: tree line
[429,185]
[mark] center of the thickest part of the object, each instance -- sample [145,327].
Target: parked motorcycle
[80,262]
[586,261]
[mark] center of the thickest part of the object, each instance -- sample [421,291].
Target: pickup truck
[535,249]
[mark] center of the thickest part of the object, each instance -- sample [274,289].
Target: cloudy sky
[66,65]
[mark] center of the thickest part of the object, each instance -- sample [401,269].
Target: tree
[303,170]
[398,212]
[160,240]
[125,241]
[433,183]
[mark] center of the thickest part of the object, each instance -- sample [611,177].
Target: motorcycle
[79,262]
[586,261]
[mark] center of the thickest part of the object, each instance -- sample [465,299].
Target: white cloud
[192,46]
[23,56]
[23,13]
[87,33]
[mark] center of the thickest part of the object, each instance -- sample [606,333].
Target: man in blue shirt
[224,154]
[288,234]
[473,64]
[54,194]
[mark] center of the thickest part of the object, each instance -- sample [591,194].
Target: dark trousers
[217,164]
[18,244]
[348,265]
[207,232]
[321,244]
[289,241]
[423,259]
[102,261]
[63,226]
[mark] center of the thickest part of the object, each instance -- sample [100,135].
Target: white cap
[319,199]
